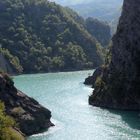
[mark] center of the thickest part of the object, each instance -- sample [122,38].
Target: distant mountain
[113,24]
[71,2]
[97,28]
[102,9]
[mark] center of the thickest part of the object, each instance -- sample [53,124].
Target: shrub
[7,124]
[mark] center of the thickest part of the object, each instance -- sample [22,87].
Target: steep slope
[91,80]
[118,86]
[9,63]
[114,23]
[46,37]
[5,65]
[97,28]
[30,116]
[100,30]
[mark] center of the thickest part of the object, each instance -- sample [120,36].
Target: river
[67,98]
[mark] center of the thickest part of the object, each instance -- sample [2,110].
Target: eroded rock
[119,86]
[28,113]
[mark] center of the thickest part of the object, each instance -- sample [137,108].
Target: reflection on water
[66,96]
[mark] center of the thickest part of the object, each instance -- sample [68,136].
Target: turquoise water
[67,98]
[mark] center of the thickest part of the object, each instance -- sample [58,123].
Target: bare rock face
[119,86]
[28,113]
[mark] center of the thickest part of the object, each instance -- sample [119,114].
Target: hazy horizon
[77,2]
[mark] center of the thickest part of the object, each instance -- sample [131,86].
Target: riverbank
[67,98]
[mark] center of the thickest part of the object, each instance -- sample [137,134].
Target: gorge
[41,37]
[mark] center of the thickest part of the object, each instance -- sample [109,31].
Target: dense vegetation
[109,10]
[13,60]
[100,30]
[97,28]
[41,36]
[6,126]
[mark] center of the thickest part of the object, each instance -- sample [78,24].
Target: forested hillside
[105,10]
[42,36]
[100,30]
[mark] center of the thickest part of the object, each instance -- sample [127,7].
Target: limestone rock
[120,83]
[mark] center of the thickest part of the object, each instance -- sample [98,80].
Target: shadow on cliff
[132,118]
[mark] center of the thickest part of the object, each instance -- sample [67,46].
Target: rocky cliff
[30,116]
[118,85]
[90,80]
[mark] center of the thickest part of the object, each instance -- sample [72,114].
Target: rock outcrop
[90,80]
[28,113]
[119,85]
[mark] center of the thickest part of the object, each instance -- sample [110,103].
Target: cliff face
[28,113]
[90,80]
[118,86]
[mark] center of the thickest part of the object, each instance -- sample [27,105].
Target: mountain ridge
[46,37]
[100,9]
